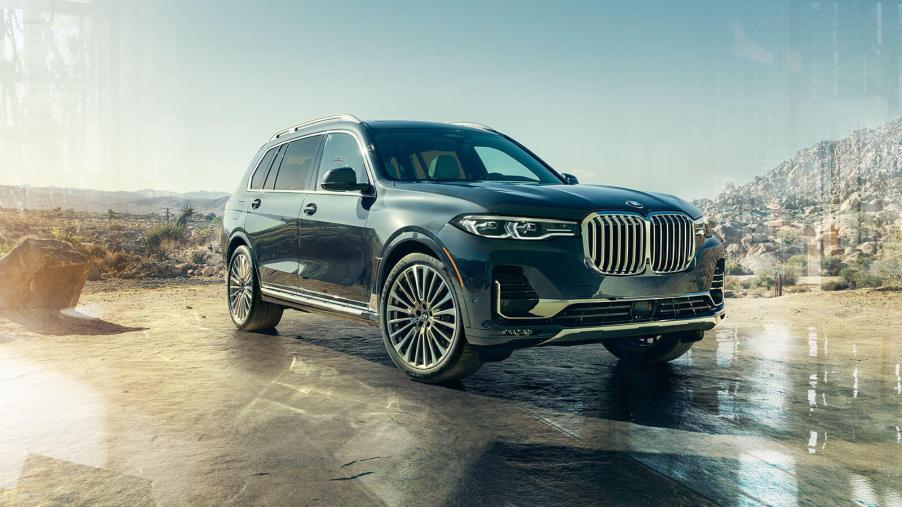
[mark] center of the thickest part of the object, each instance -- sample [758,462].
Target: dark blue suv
[462,245]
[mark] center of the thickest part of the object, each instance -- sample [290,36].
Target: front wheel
[421,322]
[648,350]
[246,306]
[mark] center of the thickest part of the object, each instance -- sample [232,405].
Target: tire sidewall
[660,352]
[450,358]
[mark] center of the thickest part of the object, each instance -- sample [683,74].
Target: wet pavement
[163,402]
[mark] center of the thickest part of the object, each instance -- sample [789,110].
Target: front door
[334,257]
[272,218]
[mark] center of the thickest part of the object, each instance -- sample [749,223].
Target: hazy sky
[672,96]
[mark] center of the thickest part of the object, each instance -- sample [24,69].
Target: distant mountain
[837,198]
[99,201]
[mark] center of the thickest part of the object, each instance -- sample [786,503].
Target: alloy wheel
[422,317]
[241,287]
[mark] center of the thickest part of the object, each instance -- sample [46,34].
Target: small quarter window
[259,175]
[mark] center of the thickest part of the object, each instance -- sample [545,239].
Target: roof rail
[473,125]
[299,126]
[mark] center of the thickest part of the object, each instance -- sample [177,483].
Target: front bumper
[560,275]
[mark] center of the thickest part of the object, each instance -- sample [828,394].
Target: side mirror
[570,179]
[344,179]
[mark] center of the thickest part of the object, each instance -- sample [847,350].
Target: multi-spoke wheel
[646,350]
[248,311]
[421,322]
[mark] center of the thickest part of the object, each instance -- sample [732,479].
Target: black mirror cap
[570,179]
[344,179]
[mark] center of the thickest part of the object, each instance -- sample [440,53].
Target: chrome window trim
[363,150]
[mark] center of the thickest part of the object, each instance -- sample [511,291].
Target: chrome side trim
[547,308]
[324,119]
[656,326]
[317,302]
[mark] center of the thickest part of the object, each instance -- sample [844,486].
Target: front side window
[342,150]
[410,154]
[297,164]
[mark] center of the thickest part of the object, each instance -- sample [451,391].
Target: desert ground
[148,395]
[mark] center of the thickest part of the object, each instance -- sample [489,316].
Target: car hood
[569,202]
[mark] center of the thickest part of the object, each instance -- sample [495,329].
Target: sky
[680,97]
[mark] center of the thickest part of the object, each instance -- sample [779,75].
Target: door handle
[255,203]
[310,209]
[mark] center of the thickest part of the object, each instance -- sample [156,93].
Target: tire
[649,350]
[421,323]
[246,306]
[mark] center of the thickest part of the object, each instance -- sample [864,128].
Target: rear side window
[342,150]
[263,169]
[297,164]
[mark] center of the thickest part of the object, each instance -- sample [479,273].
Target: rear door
[272,219]
[334,258]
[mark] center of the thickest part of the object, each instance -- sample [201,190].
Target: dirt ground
[148,395]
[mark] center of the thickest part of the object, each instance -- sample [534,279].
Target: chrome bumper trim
[658,326]
[548,308]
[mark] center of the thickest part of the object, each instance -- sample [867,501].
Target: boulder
[42,274]
[759,263]
[853,202]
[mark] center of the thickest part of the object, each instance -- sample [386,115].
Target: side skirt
[318,304]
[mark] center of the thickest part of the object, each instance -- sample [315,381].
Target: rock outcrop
[837,198]
[42,274]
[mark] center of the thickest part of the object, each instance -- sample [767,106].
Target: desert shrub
[185,215]
[790,274]
[745,284]
[114,262]
[788,236]
[163,239]
[841,285]
[765,280]
[733,268]
[67,235]
[799,262]
[859,274]
[210,216]
[830,265]
[5,247]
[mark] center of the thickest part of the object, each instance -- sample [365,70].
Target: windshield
[455,155]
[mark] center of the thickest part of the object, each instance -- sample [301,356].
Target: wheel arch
[415,242]
[402,246]
[237,239]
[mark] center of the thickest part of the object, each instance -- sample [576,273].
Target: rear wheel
[421,322]
[248,310]
[648,350]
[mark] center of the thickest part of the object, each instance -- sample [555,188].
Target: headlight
[515,227]
[703,227]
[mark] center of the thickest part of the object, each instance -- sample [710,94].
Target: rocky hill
[833,205]
[99,201]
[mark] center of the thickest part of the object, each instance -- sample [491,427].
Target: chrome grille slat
[625,244]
